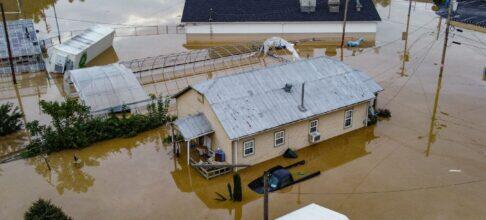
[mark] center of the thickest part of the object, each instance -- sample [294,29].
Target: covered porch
[197,134]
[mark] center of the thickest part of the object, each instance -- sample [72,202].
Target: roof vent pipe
[302,107]
[288,88]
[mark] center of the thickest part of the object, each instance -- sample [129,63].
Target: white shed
[106,88]
[313,212]
[79,50]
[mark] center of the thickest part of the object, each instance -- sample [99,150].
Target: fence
[129,31]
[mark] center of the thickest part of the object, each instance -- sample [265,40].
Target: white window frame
[275,144]
[316,121]
[246,147]
[351,111]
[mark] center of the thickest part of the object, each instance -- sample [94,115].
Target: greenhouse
[106,88]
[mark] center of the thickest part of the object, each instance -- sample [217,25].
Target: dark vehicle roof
[272,11]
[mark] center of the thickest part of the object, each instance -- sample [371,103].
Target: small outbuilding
[26,51]
[256,115]
[79,50]
[106,89]
[313,212]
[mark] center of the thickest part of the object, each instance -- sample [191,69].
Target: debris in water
[221,197]
[290,154]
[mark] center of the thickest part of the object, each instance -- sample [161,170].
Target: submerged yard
[428,161]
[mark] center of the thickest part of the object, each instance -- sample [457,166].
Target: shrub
[384,113]
[237,191]
[10,119]
[73,127]
[42,209]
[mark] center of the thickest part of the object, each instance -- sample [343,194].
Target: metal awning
[193,126]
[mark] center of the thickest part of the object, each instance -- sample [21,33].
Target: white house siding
[280,28]
[296,134]
[199,33]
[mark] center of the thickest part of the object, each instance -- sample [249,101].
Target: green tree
[10,119]
[237,191]
[45,210]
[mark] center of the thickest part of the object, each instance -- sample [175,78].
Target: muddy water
[402,168]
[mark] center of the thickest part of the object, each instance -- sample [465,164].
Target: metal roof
[272,10]
[250,102]
[23,39]
[313,212]
[468,11]
[193,126]
[104,88]
[82,41]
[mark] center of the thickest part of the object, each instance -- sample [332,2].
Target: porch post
[188,152]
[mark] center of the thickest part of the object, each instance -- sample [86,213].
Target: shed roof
[272,10]
[23,39]
[193,126]
[104,88]
[82,41]
[313,212]
[250,102]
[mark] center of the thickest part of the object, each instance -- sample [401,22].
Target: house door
[207,141]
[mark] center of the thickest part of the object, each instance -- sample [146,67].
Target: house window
[313,126]
[279,138]
[248,148]
[348,118]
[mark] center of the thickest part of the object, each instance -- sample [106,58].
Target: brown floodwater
[428,161]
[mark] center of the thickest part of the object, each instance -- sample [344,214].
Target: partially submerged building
[210,21]
[79,50]
[256,115]
[106,89]
[26,51]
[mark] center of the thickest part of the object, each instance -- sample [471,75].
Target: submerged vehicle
[76,52]
[279,178]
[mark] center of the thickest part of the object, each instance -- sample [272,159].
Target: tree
[10,119]
[45,210]
[237,192]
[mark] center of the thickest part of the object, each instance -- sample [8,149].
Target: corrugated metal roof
[82,41]
[254,101]
[23,39]
[108,87]
[193,126]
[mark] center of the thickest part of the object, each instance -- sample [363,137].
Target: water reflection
[324,156]
[66,175]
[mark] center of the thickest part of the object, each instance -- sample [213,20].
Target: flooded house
[25,48]
[256,115]
[214,21]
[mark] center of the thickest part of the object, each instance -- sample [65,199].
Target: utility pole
[438,27]
[9,49]
[344,28]
[446,39]
[405,35]
[57,23]
[265,195]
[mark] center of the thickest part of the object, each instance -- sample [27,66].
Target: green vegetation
[42,209]
[237,192]
[72,126]
[9,119]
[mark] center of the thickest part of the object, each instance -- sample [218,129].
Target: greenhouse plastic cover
[104,88]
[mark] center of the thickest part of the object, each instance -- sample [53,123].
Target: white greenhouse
[106,88]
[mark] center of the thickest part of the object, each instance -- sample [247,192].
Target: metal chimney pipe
[302,107]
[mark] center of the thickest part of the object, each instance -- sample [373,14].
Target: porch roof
[193,126]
